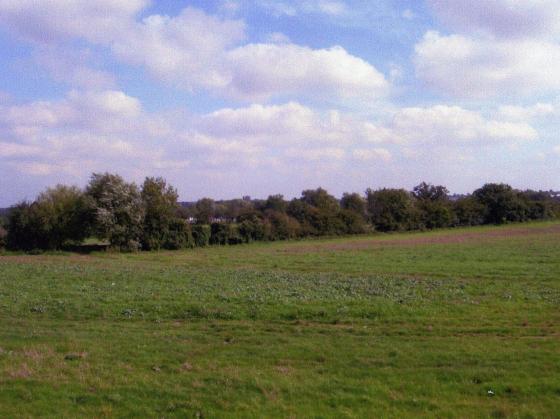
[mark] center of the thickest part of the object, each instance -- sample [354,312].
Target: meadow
[450,323]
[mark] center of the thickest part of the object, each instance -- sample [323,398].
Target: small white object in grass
[491,393]
[113,284]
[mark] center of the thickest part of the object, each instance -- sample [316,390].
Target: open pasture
[451,323]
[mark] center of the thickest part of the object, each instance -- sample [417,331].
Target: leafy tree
[276,203]
[434,208]
[235,208]
[282,226]
[391,209]
[117,209]
[60,215]
[353,222]
[321,199]
[27,228]
[67,210]
[354,202]
[160,205]
[429,192]
[253,228]
[501,203]
[205,211]
[468,212]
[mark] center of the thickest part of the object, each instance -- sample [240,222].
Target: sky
[226,98]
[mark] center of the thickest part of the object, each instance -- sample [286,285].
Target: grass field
[453,323]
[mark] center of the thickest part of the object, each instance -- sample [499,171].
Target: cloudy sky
[226,98]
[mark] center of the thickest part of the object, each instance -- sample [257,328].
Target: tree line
[149,217]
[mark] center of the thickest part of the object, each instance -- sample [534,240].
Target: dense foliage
[150,218]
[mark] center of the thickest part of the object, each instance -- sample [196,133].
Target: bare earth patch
[447,237]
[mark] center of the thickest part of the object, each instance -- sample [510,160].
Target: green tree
[59,216]
[391,209]
[276,203]
[117,209]
[205,210]
[434,207]
[160,206]
[502,203]
[468,212]
[355,203]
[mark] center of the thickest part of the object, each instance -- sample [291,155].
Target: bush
[353,222]
[27,228]
[224,233]
[179,235]
[58,217]
[282,226]
[252,228]
[468,212]
[201,235]
[3,237]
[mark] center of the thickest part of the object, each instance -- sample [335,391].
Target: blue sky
[226,98]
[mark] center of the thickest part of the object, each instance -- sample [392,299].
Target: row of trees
[150,218]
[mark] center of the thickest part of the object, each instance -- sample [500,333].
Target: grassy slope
[401,325]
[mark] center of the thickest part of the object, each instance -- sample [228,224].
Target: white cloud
[372,154]
[294,8]
[452,124]
[192,50]
[73,68]
[55,20]
[527,112]
[557,150]
[472,67]
[289,124]
[501,18]
[264,70]
[17,150]
[186,50]
[82,132]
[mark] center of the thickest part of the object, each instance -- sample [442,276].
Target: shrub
[3,237]
[59,216]
[201,235]
[252,228]
[224,233]
[179,235]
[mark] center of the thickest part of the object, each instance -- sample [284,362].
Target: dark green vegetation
[149,218]
[450,323]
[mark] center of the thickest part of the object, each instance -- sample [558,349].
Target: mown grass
[417,325]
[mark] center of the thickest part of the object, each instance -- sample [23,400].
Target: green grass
[404,325]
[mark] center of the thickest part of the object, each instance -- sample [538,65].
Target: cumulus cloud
[194,50]
[501,18]
[293,8]
[263,70]
[82,132]
[56,20]
[186,50]
[522,113]
[479,67]
[289,124]
[452,124]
